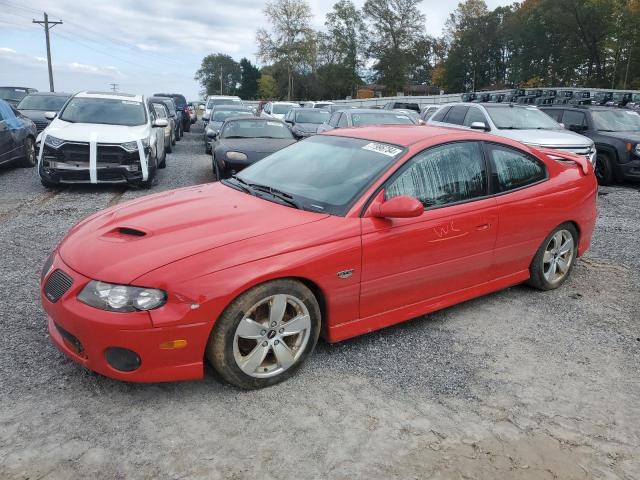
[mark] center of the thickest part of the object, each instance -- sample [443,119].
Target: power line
[114,87]
[47,26]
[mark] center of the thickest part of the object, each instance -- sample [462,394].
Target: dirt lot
[520,384]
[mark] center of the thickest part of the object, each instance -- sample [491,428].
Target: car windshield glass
[324,173]
[222,101]
[104,110]
[616,120]
[281,109]
[380,118]
[222,115]
[318,116]
[46,103]
[521,118]
[10,93]
[255,129]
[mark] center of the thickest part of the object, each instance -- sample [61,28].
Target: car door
[6,141]
[518,181]
[9,138]
[448,248]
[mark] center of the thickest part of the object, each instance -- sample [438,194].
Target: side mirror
[290,122]
[562,125]
[212,135]
[160,122]
[50,115]
[398,207]
[479,126]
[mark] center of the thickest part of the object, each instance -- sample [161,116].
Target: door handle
[484,226]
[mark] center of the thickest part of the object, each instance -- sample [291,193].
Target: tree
[395,25]
[249,83]
[292,41]
[219,74]
[267,87]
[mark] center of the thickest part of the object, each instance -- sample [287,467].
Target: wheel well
[317,292]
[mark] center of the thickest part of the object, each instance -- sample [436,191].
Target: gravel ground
[519,384]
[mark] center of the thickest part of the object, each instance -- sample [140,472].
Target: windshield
[380,118]
[281,109]
[255,129]
[212,102]
[318,116]
[45,103]
[324,173]
[222,115]
[521,118]
[616,120]
[104,110]
[10,93]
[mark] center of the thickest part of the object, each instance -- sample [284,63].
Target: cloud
[6,50]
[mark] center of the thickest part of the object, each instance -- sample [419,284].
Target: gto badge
[345,273]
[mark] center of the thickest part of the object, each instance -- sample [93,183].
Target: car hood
[34,114]
[547,138]
[82,132]
[124,242]
[255,145]
[308,127]
[630,136]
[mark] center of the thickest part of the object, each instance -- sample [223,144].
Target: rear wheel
[29,159]
[604,169]
[187,126]
[48,184]
[265,335]
[555,258]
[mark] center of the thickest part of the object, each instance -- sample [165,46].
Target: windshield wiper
[235,136]
[244,186]
[279,194]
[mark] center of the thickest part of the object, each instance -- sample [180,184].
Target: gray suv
[523,123]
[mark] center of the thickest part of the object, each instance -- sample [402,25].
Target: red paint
[207,244]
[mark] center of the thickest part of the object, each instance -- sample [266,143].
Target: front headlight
[236,156]
[133,146]
[121,298]
[53,142]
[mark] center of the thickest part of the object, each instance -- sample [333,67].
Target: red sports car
[340,234]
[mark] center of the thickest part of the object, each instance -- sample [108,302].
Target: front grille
[584,151]
[57,285]
[78,153]
[41,124]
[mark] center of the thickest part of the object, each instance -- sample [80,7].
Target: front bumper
[631,169]
[81,175]
[84,334]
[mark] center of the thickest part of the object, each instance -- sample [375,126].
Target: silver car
[523,123]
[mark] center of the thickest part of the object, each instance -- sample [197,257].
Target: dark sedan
[243,141]
[219,114]
[13,95]
[17,137]
[305,121]
[36,104]
[359,117]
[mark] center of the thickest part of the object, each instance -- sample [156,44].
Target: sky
[145,46]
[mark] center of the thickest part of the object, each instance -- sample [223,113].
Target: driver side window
[443,175]
[344,121]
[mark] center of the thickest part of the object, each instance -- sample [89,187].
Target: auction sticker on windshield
[382,148]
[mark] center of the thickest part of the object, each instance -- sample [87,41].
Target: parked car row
[539,96]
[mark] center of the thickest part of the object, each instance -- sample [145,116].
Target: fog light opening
[122,359]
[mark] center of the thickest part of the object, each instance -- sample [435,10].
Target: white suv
[102,138]
[213,100]
[278,109]
[523,123]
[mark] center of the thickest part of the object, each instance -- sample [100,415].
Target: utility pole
[114,87]
[48,26]
[220,79]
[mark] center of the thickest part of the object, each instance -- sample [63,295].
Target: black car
[359,117]
[616,133]
[496,98]
[243,141]
[305,121]
[601,98]
[402,105]
[17,137]
[36,104]
[219,113]
[620,99]
[181,106]
[175,116]
[13,95]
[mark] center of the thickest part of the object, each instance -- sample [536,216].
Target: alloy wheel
[272,336]
[558,256]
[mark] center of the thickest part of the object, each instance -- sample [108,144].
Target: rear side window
[344,121]
[442,175]
[514,169]
[456,115]
[440,114]
[574,119]
[474,115]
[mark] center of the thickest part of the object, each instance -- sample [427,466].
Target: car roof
[231,107]
[110,95]
[403,135]
[373,110]
[222,96]
[308,109]
[49,94]
[570,106]
[285,103]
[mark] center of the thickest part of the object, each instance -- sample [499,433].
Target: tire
[29,159]
[272,353]
[173,137]
[187,126]
[48,184]
[216,169]
[551,267]
[181,131]
[604,169]
[207,147]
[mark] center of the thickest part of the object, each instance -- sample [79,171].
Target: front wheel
[29,159]
[265,335]
[187,126]
[604,169]
[555,258]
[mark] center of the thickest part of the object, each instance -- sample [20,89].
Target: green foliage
[249,84]
[214,67]
[267,87]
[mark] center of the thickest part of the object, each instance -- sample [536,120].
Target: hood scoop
[131,231]
[124,234]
